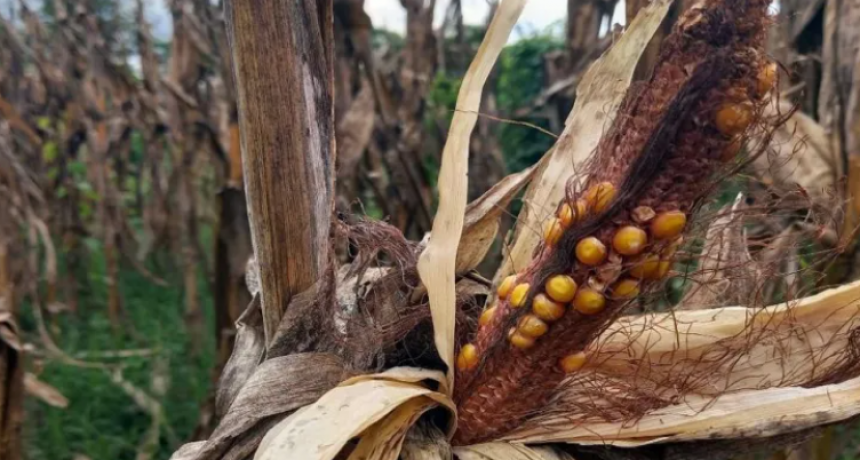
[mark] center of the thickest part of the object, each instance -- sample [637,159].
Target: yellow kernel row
[468,357]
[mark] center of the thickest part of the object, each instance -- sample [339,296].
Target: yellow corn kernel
[572,363]
[588,301]
[546,309]
[733,118]
[531,326]
[645,267]
[662,269]
[560,288]
[566,216]
[487,316]
[468,357]
[590,251]
[521,341]
[629,241]
[668,225]
[600,196]
[552,231]
[767,76]
[506,286]
[519,295]
[625,289]
[581,208]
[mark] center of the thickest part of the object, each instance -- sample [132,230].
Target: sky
[389,14]
[537,16]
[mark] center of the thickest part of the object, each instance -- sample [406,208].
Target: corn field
[277,230]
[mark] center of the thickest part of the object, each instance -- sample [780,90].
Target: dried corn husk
[756,393]
[379,408]
[437,265]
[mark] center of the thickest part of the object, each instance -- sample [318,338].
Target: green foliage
[521,79]
[103,422]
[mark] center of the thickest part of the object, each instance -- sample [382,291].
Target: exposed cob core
[616,236]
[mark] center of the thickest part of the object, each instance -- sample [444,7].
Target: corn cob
[614,239]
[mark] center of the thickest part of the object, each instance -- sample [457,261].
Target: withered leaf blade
[248,352]
[482,219]
[802,155]
[44,392]
[725,373]
[277,387]
[379,408]
[506,451]
[437,264]
[727,274]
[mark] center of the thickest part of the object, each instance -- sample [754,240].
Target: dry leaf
[437,265]
[482,219]
[46,393]
[248,352]
[506,451]
[747,414]
[727,274]
[803,156]
[378,406]
[276,387]
[757,393]
[597,99]
[384,440]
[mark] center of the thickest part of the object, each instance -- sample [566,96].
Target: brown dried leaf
[727,274]
[380,408]
[482,219]
[437,264]
[506,451]
[277,387]
[248,351]
[46,393]
[802,156]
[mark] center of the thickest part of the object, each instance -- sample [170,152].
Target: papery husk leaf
[776,381]
[482,219]
[727,274]
[802,156]
[380,408]
[597,99]
[507,451]
[437,265]
[276,387]
[248,352]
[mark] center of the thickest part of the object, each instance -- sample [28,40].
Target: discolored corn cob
[670,138]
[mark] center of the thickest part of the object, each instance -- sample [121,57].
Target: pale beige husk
[437,264]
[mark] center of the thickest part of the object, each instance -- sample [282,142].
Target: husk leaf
[778,348]
[437,265]
[380,408]
[482,219]
[507,451]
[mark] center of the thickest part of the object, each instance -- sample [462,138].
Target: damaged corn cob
[613,239]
